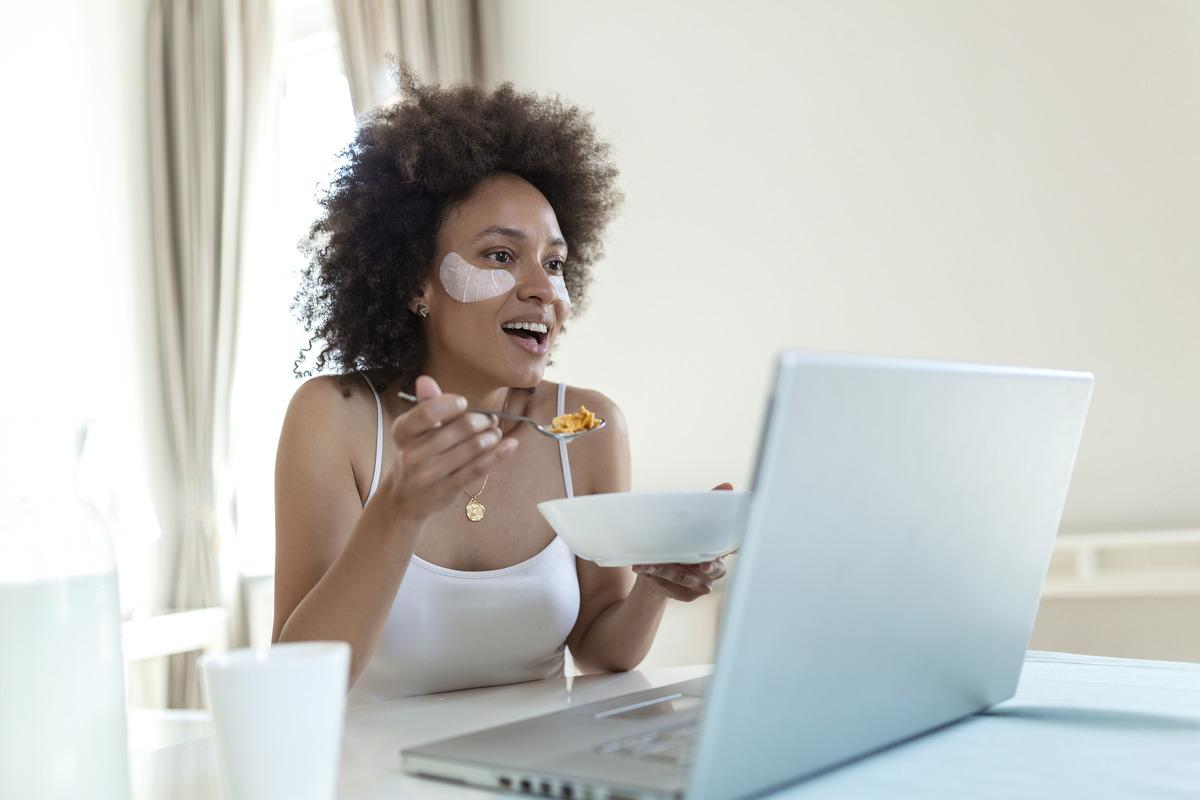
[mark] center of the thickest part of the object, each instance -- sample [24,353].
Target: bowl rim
[669,494]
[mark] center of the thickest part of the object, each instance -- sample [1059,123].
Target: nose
[533,284]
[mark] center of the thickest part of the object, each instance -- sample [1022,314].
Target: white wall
[76,294]
[1013,182]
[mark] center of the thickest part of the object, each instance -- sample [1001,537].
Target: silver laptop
[901,526]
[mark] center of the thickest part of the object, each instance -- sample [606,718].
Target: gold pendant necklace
[475,509]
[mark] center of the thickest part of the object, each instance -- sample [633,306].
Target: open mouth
[529,336]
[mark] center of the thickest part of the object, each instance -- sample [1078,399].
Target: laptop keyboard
[667,745]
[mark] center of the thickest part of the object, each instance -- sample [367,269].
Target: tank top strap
[378,441]
[562,446]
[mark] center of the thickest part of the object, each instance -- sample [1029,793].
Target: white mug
[278,715]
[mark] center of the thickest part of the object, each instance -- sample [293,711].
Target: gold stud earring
[422,311]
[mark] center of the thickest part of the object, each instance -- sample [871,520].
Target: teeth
[536,327]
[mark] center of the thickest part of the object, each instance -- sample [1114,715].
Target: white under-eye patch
[560,286]
[467,283]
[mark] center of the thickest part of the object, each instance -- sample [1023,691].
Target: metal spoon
[542,429]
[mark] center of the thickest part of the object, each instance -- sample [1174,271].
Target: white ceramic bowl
[629,528]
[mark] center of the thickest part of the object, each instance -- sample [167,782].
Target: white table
[1078,726]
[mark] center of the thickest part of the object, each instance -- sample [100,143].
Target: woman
[454,242]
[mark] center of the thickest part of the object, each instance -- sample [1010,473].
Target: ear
[420,298]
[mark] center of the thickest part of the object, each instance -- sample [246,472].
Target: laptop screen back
[903,518]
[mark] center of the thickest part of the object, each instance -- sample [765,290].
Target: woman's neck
[479,391]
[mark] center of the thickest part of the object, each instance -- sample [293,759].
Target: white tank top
[452,629]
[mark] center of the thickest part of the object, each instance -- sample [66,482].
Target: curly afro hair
[374,244]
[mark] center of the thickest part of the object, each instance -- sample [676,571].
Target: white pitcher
[62,695]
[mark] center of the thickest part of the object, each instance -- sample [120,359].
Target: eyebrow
[513,233]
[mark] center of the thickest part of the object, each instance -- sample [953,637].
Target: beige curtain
[438,39]
[208,77]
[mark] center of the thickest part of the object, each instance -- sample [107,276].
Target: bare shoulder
[602,458]
[324,398]
[325,422]
[596,401]
[323,408]
[317,488]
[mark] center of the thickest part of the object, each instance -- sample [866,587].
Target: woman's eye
[555,265]
[501,257]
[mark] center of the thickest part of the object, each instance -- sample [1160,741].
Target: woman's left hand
[685,582]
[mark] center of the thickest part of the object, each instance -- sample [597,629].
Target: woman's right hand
[441,450]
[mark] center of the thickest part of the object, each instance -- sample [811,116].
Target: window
[314,121]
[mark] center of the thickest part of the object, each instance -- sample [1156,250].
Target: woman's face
[499,265]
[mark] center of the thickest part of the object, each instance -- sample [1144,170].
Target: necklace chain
[475,509]
[481,488]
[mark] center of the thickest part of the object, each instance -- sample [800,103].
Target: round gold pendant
[475,510]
